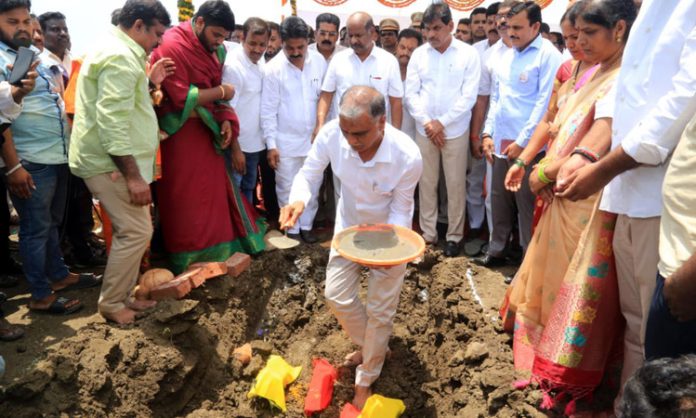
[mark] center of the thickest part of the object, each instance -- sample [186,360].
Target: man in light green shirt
[114,142]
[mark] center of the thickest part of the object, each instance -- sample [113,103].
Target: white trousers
[369,326]
[288,167]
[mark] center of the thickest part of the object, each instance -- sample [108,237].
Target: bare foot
[361,395]
[122,317]
[353,359]
[142,305]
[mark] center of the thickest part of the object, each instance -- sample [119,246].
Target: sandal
[58,307]
[84,281]
[11,333]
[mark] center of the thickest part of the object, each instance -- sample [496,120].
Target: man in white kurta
[291,89]
[441,86]
[379,167]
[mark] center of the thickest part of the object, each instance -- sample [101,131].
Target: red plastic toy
[321,387]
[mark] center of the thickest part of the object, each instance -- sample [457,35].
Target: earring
[618,39]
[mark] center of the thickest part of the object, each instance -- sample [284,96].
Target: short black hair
[464,21]
[545,28]
[255,26]
[329,18]
[293,27]
[437,11]
[45,17]
[608,13]
[114,16]
[477,11]
[533,11]
[7,5]
[664,388]
[146,10]
[492,9]
[412,34]
[216,13]
[273,26]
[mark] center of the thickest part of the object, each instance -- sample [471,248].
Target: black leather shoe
[508,279]
[452,249]
[489,261]
[308,237]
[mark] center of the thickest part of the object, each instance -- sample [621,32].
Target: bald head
[362,100]
[362,19]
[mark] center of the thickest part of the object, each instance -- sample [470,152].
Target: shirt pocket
[378,81]
[527,80]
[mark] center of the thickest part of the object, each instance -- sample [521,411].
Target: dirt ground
[450,357]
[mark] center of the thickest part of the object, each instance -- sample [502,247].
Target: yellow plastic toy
[271,381]
[378,406]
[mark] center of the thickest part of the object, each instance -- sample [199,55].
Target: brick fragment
[237,264]
[207,271]
[176,289]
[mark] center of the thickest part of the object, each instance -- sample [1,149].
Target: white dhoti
[368,326]
[288,167]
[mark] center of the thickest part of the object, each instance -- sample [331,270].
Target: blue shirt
[40,132]
[521,92]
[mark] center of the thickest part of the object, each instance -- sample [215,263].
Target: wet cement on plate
[376,245]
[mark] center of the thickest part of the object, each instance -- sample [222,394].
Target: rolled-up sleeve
[115,105]
[654,138]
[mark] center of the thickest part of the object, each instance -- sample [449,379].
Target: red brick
[207,271]
[176,289]
[237,264]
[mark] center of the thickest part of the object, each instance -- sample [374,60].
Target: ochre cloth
[203,215]
[564,300]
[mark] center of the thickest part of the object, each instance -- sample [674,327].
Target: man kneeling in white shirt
[291,89]
[379,167]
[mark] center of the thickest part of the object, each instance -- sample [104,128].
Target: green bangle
[520,163]
[542,175]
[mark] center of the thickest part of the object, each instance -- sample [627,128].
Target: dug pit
[450,357]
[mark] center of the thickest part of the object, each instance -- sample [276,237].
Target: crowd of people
[564,153]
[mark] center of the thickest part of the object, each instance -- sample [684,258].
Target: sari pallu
[557,298]
[203,215]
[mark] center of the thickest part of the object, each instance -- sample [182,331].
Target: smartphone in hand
[20,68]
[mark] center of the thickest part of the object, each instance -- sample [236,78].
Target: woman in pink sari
[564,299]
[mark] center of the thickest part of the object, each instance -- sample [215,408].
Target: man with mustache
[37,172]
[409,40]
[56,43]
[463,32]
[327,45]
[274,42]
[379,167]
[441,86]
[291,90]
[523,85]
[388,34]
[244,70]
[478,24]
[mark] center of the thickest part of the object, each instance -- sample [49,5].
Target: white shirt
[247,79]
[338,48]
[376,191]
[408,124]
[490,60]
[52,59]
[443,86]
[289,103]
[654,102]
[380,70]
[482,46]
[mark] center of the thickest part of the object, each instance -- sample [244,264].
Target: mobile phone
[20,68]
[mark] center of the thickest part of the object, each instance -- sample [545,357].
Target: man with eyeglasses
[388,33]
[326,44]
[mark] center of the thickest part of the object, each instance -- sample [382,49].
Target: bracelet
[223,92]
[520,163]
[590,155]
[13,169]
[542,175]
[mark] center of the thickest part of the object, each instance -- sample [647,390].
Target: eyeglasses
[325,33]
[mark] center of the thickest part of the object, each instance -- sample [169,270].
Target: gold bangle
[223,92]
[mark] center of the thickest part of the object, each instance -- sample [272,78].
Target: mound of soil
[450,357]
